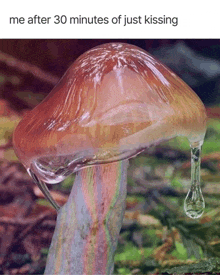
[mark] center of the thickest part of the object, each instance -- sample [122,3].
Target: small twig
[26,67]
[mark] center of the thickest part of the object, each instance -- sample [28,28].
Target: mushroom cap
[113,102]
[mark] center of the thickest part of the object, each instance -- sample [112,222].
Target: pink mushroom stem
[88,225]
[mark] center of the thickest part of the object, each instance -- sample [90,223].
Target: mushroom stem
[88,225]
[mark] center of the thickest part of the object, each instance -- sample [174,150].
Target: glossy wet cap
[115,100]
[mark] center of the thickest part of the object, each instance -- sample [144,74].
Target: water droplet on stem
[194,203]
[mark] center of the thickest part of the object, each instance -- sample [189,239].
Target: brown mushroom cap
[114,101]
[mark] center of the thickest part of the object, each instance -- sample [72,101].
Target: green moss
[179,143]
[133,198]
[130,181]
[123,270]
[143,160]
[180,252]
[68,182]
[132,253]
[44,251]
[176,182]
[7,126]
[9,155]
[65,185]
[150,238]
[44,202]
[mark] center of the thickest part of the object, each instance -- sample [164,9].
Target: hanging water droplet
[194,203]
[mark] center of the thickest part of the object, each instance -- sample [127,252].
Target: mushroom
[112,103]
